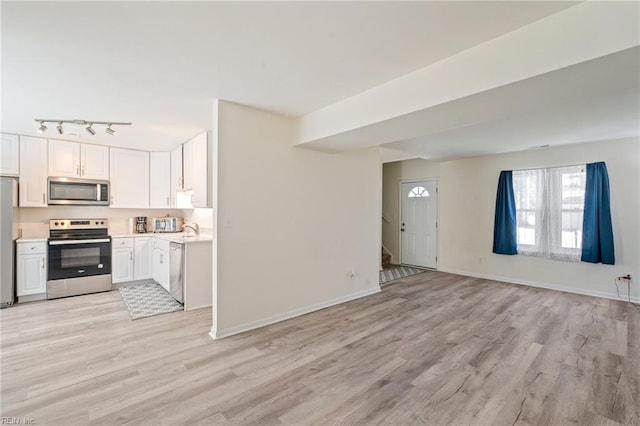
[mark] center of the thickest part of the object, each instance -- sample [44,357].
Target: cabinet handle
[43,263]
[82,171]
[168,203]
[130,255]
[43,198]
[78,171]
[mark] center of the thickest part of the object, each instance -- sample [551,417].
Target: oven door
[79,258]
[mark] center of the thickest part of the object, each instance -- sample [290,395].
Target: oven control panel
[78,224]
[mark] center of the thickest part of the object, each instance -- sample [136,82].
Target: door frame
[400,199]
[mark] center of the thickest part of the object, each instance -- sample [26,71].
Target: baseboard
[601,294]
[198,307]
[230,331]
[32,298]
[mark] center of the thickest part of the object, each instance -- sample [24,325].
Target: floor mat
[147,300]
[397,272]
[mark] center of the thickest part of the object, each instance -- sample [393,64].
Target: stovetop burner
[78,229]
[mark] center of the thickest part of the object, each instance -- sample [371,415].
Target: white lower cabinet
[161,263]
[31,268]
[121,260]
[143,258]
[131,259]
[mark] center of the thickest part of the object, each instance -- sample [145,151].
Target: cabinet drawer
[160,244]
[117,243]
[32,248]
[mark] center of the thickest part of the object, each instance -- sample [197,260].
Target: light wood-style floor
[432,348]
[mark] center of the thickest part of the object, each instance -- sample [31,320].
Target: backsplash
[34,222]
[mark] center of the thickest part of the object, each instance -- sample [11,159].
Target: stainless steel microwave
[78,192]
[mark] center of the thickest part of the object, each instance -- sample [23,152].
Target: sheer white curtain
[549,206]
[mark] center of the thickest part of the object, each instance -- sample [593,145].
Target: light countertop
[31,240]
[176,237]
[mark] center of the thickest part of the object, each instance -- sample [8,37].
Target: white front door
[418,230]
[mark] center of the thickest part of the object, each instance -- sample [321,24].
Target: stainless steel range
[79,257]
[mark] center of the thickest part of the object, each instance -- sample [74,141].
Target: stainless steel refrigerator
[8,236]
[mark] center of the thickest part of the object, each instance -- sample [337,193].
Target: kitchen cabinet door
[143,258]
[94,162]
[187,165]
[176,174]
[200,171]
[195,169]
[121,265]
[9,155]
[160,180]
[129,172]
[31,274]
[64,159]
[161,267]
[33,172]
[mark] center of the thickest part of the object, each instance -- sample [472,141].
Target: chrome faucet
[193,226]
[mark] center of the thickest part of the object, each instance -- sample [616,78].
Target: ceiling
[160,64]
[590,101]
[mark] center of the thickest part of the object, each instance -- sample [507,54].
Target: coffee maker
[141,224]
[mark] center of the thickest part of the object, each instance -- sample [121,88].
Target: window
[418,191]
[549,210]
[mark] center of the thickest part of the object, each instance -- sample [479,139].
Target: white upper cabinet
[10,155]
[33,172]
[176,173]
[94,162]
[160,180]
[196,169]
[72,159]
[187,165]
[64,158]
[129,171]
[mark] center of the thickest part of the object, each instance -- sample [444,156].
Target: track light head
[109,130]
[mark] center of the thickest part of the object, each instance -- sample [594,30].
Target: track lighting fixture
[109,130]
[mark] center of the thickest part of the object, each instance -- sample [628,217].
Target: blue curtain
[597,232]
[504,226]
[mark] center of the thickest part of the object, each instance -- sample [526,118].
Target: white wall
[292,223]
[466,212]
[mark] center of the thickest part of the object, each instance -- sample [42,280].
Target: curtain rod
[553,167]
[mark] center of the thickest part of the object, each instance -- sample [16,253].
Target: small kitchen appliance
[141,224]
[167,224]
